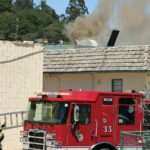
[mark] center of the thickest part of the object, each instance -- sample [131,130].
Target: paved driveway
[12,139]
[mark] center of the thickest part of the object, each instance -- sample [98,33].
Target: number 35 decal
[107,129]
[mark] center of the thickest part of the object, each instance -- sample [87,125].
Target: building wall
[148,81]
[93,81]
[20,74]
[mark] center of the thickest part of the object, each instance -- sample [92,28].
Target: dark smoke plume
[129,16]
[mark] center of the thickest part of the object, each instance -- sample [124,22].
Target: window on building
[117,85]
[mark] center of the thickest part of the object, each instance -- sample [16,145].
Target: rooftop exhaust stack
[113,38]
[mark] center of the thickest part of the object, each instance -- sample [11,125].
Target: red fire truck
[81,120]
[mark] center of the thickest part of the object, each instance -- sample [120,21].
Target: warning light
[52,94]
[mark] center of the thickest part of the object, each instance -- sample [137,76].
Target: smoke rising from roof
[129,16]
[134,23]
[91,26]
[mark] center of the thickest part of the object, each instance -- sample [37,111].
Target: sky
[60,5]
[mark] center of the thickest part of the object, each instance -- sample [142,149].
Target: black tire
[104,149]
[104,146]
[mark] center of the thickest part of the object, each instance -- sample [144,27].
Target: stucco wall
[20,74]
[95,81]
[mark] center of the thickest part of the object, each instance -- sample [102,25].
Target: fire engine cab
[81,120]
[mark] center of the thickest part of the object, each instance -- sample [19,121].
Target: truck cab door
[80,132]
[129,116]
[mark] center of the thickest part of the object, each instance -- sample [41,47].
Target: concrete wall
[20,74]
[93,81]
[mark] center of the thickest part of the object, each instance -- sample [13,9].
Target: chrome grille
[33,133]
[36,139]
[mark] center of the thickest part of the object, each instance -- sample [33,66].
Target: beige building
[21,66]
[20,73]
[23,70]
[104,69]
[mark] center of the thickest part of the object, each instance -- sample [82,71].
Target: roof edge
[105,71]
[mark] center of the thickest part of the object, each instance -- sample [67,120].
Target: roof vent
[86,43]
[113,38]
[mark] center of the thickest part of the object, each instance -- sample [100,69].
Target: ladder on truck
[12,119]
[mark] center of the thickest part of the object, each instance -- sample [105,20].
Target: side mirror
[76,113]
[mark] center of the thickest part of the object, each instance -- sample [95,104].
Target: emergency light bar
[39,94]
[145,93]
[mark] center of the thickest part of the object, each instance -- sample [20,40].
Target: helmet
[2,126]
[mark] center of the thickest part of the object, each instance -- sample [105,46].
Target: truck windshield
[48,112]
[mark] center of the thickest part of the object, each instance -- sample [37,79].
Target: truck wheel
[104,149]
[104,146]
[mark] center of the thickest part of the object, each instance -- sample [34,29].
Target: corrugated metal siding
[148,81]
[74,81]
[83,81]
[51,83]
[135,81]
[130,81]
[99,81]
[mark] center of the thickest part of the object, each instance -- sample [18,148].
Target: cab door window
[84,113]
[126,111]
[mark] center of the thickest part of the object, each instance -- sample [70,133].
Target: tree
[19,20]
[31,24]
[54,32]
[47,9]
[75,9]
[24,4]
[5,5]
[7,25]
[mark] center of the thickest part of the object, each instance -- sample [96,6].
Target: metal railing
[12,119]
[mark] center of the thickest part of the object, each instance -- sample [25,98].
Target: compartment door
[107,126]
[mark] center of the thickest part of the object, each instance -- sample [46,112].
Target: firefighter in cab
[1,135]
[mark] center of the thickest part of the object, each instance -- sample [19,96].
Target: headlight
[50,136]
[24,139]
[57,144]
[24,133]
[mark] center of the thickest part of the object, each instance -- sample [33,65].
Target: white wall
[21,73]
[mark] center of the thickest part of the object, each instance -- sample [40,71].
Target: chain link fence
[147,114]
[135,139]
